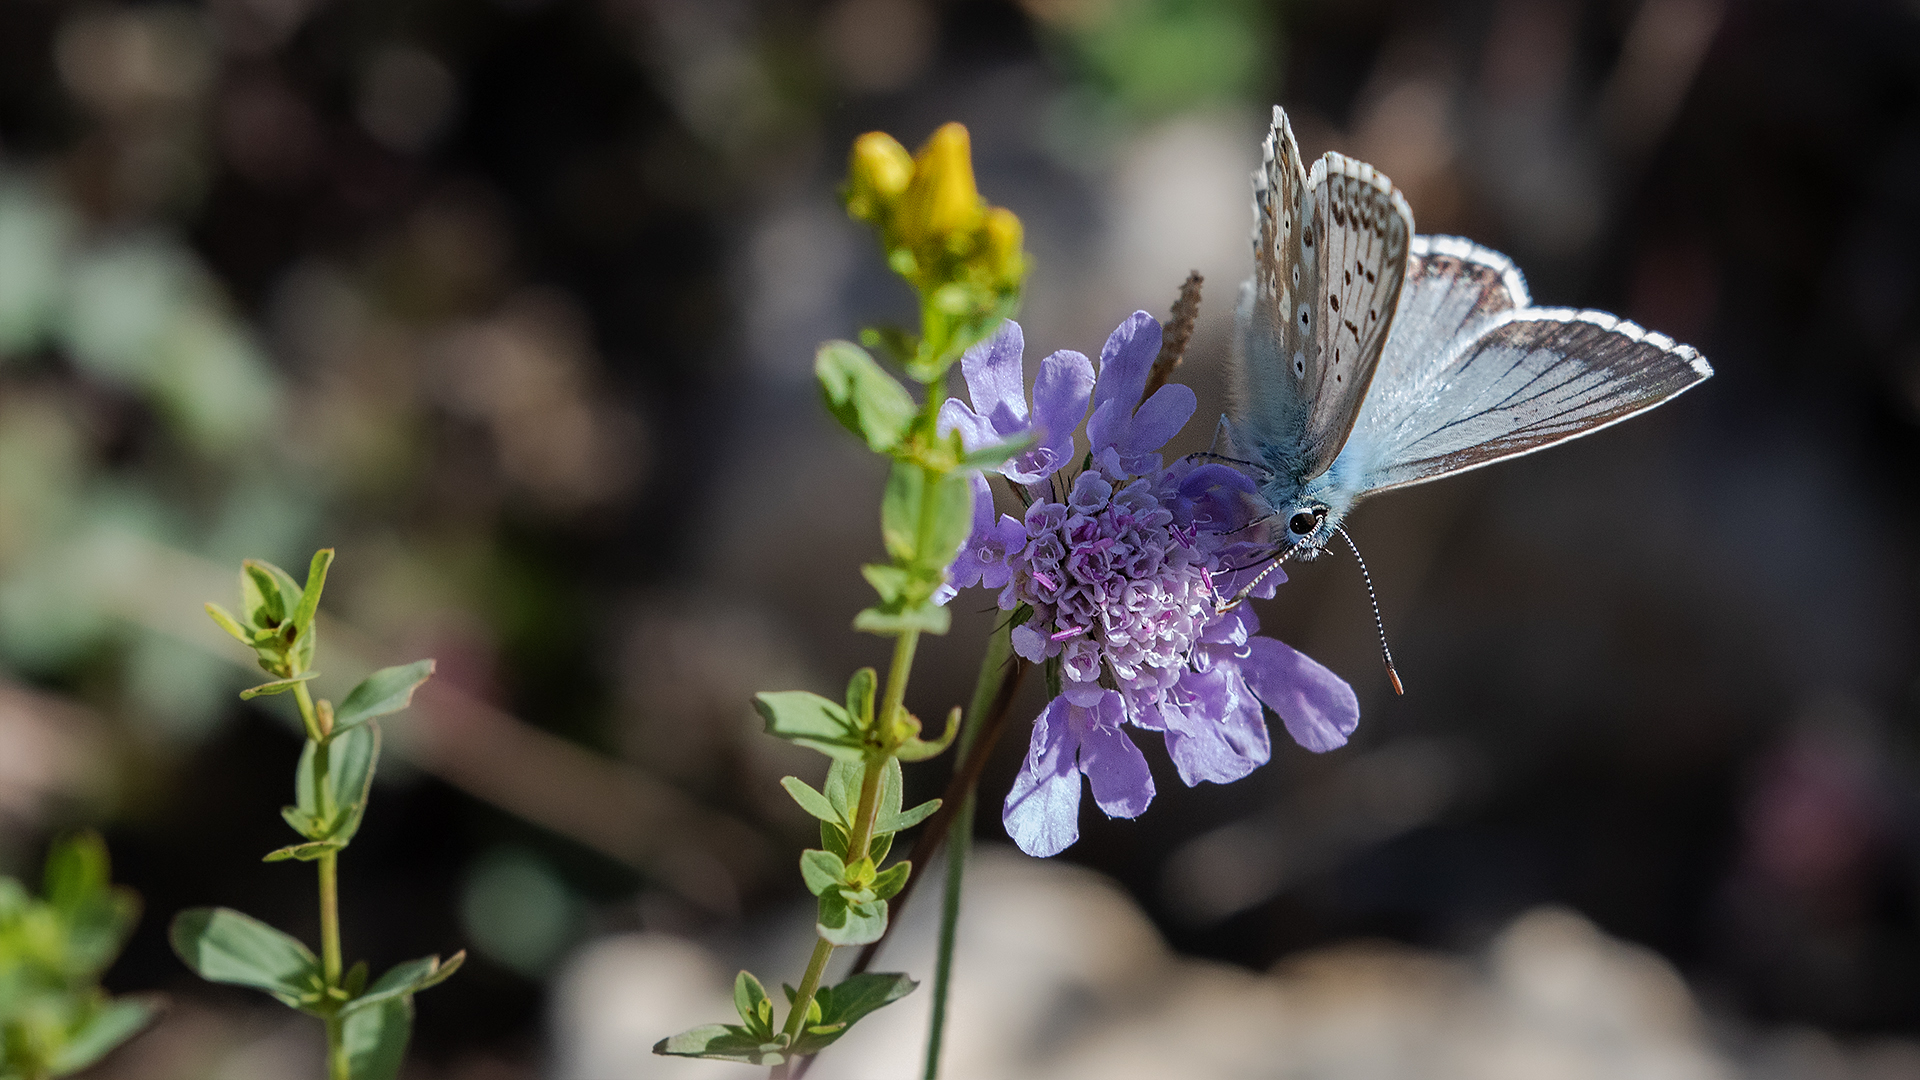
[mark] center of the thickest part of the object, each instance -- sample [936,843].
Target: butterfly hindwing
[1330,251]
[1531,378]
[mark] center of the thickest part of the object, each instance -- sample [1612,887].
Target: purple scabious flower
[1124,565]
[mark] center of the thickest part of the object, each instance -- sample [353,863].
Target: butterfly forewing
[1360,235]
[1330,252]
[1534,377]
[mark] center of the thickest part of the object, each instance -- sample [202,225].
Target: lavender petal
[996,381]
[1042,811]
[1317,706]
[1116,769]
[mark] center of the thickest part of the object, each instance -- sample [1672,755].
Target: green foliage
[385,691]
[811,721]
[54,1018]
[367,1026]
[224,946]
[754,1041]
[862,396]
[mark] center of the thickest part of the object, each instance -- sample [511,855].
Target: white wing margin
[1532,378]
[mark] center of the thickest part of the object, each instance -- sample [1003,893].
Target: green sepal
[888,883]
[224,946]
[860,694]
[750,1000]
[385,691]
[406,979]
[376,1039]
[907,819]
[307,852]
[228,623]
[822,870]
[261,605]
[845,923]
[810,800]
[928,618]
[309,604]
[111,1024]
[811,721]
[996,455]
[815,1005]
[352,759]
[278,686]
[918,749]
[897,343]
[846,1004]
[723,1042]
[307,825]
[862,396]
[890,581]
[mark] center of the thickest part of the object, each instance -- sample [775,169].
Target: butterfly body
[1368,358]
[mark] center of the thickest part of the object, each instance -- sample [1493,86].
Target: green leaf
[843,923]
[228,623]
[949,518]
[354,982]
[351,759]
[900,511]
[406,979]
[279,593]
[860,691]
[112,1024]
[810,800]
[222,945]
[307,852]
[996,455]
[811,721]
[822,870]
[888,883]
[928,618]
[305,824]
[376,1039]
[862,396]
[309,604]
[849,1002]
[907,819]
[78,872]
[260,603]
[751,1002]
[889,581]
[278,686]
[721,1042]
[918,749]
[385,691]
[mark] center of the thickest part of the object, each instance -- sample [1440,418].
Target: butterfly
[1368,358]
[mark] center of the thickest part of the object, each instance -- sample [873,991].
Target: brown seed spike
[1179,331]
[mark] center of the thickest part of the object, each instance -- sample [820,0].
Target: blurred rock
[1060,976]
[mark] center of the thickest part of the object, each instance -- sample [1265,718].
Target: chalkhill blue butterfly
[1368,358]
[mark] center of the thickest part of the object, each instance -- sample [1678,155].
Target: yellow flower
[877,176]
[942,206]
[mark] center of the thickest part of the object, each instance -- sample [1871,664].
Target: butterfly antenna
[1239,597]
[1386,654]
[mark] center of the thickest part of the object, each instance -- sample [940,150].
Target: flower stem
[987,690]
[329,868]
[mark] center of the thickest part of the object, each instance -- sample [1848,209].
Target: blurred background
[514,303]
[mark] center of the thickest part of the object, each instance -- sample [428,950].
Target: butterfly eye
[1302,523]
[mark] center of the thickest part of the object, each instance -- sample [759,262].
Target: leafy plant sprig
[367,1024]
[965,262]
[54,1018]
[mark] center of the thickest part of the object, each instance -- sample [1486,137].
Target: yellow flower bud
[877,175]
[941,201]
[1003,234]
